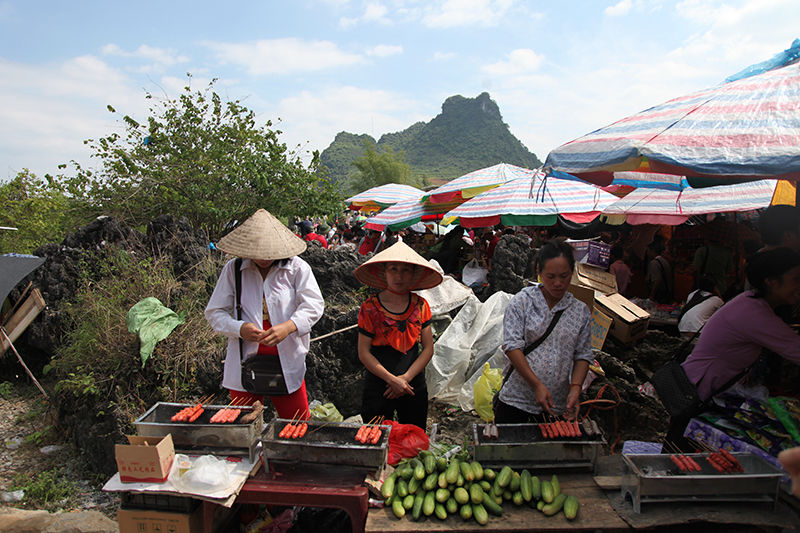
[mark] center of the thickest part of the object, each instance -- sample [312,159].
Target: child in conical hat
[395,342]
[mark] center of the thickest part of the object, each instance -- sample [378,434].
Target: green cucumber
[571,506]
[416,511]
[556,486]
[485,485]
[398,509]
[429,462]
[489,474]
[540,505]
[476,493]
[556,506]
[477,470]
[429,504]
[536,488]
[504,477]
[480,514]
[466,471]
[440,511]
[441,464]
[408,502]
[516,479]
[451,474]
[387,489]
[517,498]
[442,495]
[451,505]
[492,506]
[413,485]
[442,481]
[466,511]
[430,482]
[547,492]
[405,471]
[401,488]
[419,469]
[461,495]
[525,486]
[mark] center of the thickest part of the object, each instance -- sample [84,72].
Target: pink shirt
[732,340]
[623,274]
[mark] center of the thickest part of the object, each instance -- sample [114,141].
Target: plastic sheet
[473,338]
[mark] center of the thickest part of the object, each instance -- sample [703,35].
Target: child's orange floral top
[401,331]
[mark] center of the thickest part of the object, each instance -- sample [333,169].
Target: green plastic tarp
[153,322]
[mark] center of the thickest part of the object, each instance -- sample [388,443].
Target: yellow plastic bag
[484,389]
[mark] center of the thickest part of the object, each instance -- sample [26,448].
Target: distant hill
[467,135]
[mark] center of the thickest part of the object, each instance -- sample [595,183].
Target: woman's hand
[790,459]
[398,386]
[278,332]
[573,400]
[544,398]
[251,332]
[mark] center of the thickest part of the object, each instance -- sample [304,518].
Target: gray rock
[23,521]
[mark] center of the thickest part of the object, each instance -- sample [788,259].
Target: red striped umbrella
[741,130]
[382,196]
[533,201]
[476,182]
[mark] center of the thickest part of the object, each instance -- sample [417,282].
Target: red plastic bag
[405,440]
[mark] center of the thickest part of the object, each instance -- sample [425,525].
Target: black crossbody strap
[237,267]
[535,344]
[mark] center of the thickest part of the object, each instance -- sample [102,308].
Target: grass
[48,490]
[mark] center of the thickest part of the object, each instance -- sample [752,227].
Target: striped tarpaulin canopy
[476,182]
[377,198]
[746,129]
[659,206]
[407,213]
[533,201]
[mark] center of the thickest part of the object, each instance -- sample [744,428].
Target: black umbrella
[13,269]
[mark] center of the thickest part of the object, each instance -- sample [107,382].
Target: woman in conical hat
[395,341]
[280,302]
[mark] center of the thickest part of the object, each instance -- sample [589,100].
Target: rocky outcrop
[22,521]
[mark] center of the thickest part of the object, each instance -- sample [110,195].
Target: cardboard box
[600,321]
[145,459]
[147,521]
[594,278]
[629,320]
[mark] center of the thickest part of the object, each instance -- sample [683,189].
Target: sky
[557,70]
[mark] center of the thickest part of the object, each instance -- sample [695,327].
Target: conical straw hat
[372,272]
[262,236]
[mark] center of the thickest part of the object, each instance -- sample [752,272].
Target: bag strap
[237,267]
[697,299]
[535,344]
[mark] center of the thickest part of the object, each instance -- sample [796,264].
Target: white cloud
[283,56]
[150,53]
[50,109]
[520,61]
[454,13]
[621,8]
[313,118]
[384,50]
[373,12]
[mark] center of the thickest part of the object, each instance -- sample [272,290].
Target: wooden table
[595,513]
[310,487]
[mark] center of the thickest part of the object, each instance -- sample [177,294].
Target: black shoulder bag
[261,375]
[528,349]
[677,392]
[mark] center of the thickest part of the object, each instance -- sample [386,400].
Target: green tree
[40,209]
[205,159]
[379,168]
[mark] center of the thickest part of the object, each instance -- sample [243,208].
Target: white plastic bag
[473,274]
[206,474]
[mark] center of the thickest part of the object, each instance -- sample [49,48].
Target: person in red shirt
[392,325]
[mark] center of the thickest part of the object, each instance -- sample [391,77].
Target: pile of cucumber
[427,485]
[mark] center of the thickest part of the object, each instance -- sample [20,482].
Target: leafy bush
[47,490]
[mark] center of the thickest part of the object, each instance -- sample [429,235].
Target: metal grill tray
[201,434]
[325,443]
[650,478]
[522,446]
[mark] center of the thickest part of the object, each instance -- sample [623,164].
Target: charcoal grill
[654,478]
[523,446]
[324,444]
[201,436]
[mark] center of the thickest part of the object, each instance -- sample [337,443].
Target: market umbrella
[476,182]
[13,268]
[404,214]
[741,130]
[533,201]
[659,206]
[382,196]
